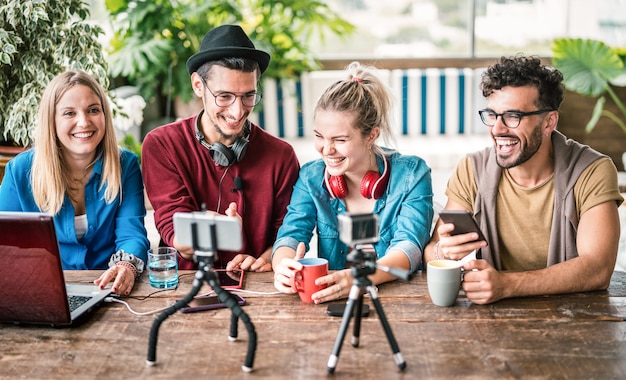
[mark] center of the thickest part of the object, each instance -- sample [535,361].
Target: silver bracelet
[437,251]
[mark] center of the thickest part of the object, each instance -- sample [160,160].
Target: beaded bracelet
[437,251]
[121,255]
[128,265]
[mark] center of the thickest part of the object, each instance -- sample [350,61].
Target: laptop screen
[32,286]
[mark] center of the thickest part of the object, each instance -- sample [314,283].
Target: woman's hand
[338,285]
[122,276]
[285,270]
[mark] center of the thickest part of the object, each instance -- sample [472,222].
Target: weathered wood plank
[570,336]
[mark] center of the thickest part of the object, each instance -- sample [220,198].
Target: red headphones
[373,184]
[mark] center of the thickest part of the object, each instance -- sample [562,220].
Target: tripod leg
[237,313]
[234,327]
[397,355]
[355,292]
[226,298]
[154,331]
[357,320]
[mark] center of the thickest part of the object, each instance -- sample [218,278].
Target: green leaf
[38,40]
[587,65]
[138,56]
[595,116]
[114,6]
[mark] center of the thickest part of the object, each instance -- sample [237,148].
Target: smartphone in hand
[463,222]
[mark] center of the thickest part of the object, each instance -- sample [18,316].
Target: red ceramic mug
[304,280]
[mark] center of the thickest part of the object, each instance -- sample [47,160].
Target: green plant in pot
[38,40]
[154,38]
[592,68]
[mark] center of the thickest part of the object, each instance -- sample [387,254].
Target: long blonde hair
[50,178]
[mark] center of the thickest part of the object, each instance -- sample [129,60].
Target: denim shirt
[405,212]
[111,227]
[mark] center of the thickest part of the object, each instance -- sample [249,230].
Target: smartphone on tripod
[227,230]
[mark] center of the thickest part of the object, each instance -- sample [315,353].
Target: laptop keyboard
[77,301]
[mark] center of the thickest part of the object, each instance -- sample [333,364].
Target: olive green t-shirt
[524,214]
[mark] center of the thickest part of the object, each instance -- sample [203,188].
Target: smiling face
[80,123]
[343,148]
[516,146]
[224,124]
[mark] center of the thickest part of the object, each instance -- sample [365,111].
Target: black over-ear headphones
[222,154]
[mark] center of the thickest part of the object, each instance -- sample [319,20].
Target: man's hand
[248,263]
[456,247]
[482,283]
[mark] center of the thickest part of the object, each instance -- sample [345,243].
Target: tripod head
[358,230]
[204,257]
[361,262]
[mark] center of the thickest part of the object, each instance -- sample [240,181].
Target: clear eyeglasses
[511,119]
[225,99]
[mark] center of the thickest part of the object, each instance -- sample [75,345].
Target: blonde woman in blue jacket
[355,175]
[77,173]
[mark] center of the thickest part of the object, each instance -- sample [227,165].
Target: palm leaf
[138,56]
[587,65]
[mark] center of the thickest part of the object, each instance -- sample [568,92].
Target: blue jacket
[112,226]
[405,212]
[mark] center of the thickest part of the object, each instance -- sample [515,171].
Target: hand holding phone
[463,222]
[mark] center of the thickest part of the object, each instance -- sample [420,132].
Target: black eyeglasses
[511,119]
[225,99]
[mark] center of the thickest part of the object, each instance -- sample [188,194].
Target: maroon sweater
[180,176]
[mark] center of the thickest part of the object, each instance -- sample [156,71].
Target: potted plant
[153,39]
[593,69]
[38,40]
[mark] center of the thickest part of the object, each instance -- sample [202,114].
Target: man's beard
[534,143]
[219,131]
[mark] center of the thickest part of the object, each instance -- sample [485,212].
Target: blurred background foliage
[38,40]
[152,39]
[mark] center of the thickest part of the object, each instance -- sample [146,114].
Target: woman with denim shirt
[77,173]
[355,175]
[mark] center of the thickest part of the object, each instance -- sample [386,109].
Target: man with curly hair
[546,204]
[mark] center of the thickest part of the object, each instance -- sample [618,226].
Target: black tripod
[205,257]
[364,264]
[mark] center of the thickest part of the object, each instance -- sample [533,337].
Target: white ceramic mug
[444,281]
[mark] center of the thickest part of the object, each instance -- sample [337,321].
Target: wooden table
[571,336]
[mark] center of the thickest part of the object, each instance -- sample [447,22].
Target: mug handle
[296,282]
